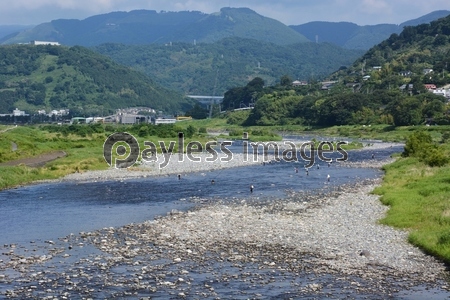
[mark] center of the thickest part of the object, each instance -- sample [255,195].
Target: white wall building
[44,43]
[17,112]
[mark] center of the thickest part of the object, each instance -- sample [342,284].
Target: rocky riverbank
[318,244]
[310,244]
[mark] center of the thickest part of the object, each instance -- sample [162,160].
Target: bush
[435,157]
[420,145]
[416,143]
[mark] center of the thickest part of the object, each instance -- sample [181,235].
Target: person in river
[328,177]
[251,188]
[212,181]
[179,176]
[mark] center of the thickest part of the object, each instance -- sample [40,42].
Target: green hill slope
[56,77]
[231,62]
[404,57]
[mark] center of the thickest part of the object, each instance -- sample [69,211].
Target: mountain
[352,36]
[57,77]
[12,30]
[402,58]
[401,81]
[146,27]
[207,68]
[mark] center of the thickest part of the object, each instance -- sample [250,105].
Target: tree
[286,81]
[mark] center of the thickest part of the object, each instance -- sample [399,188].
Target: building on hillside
[430,86]
[17,112]
[442,92]
[427,71]
[405,73]
[45,43]
[299,83]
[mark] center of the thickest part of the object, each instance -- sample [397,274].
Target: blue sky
[290,12]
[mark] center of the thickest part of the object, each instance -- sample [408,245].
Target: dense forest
[214,68]
[58,77]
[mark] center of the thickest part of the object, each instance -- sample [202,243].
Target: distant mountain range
[141,27]
[352,36]
[146,27]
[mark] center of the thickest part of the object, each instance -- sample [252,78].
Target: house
[405,73]
[406,86]
[17,113]
[427,71]
[377,68]
[430,86]
[441,92]
[366,77]
[299,83]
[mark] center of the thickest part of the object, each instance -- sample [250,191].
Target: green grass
[419,200]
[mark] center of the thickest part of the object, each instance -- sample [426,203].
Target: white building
[17,113]
[164,121]
[44,43]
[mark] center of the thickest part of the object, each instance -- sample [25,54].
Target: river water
[38,215]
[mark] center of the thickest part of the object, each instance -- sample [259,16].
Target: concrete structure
[17,113]
[44,43]
[164,121]
[132,119]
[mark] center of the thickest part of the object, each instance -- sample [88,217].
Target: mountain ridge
[352,36]
[149,26]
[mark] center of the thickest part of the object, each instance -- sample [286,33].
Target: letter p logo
[126,150]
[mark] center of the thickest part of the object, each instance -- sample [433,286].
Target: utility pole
[214,94]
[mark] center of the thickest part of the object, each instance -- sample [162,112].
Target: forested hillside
[418,55]
[57,77]
[385,86]
[217,67]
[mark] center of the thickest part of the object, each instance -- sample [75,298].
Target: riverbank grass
[419,200]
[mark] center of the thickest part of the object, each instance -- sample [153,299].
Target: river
[36,217]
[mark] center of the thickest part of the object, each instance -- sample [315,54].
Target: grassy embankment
[84,149]
[419,198]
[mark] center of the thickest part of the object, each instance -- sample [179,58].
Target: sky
[289,12]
